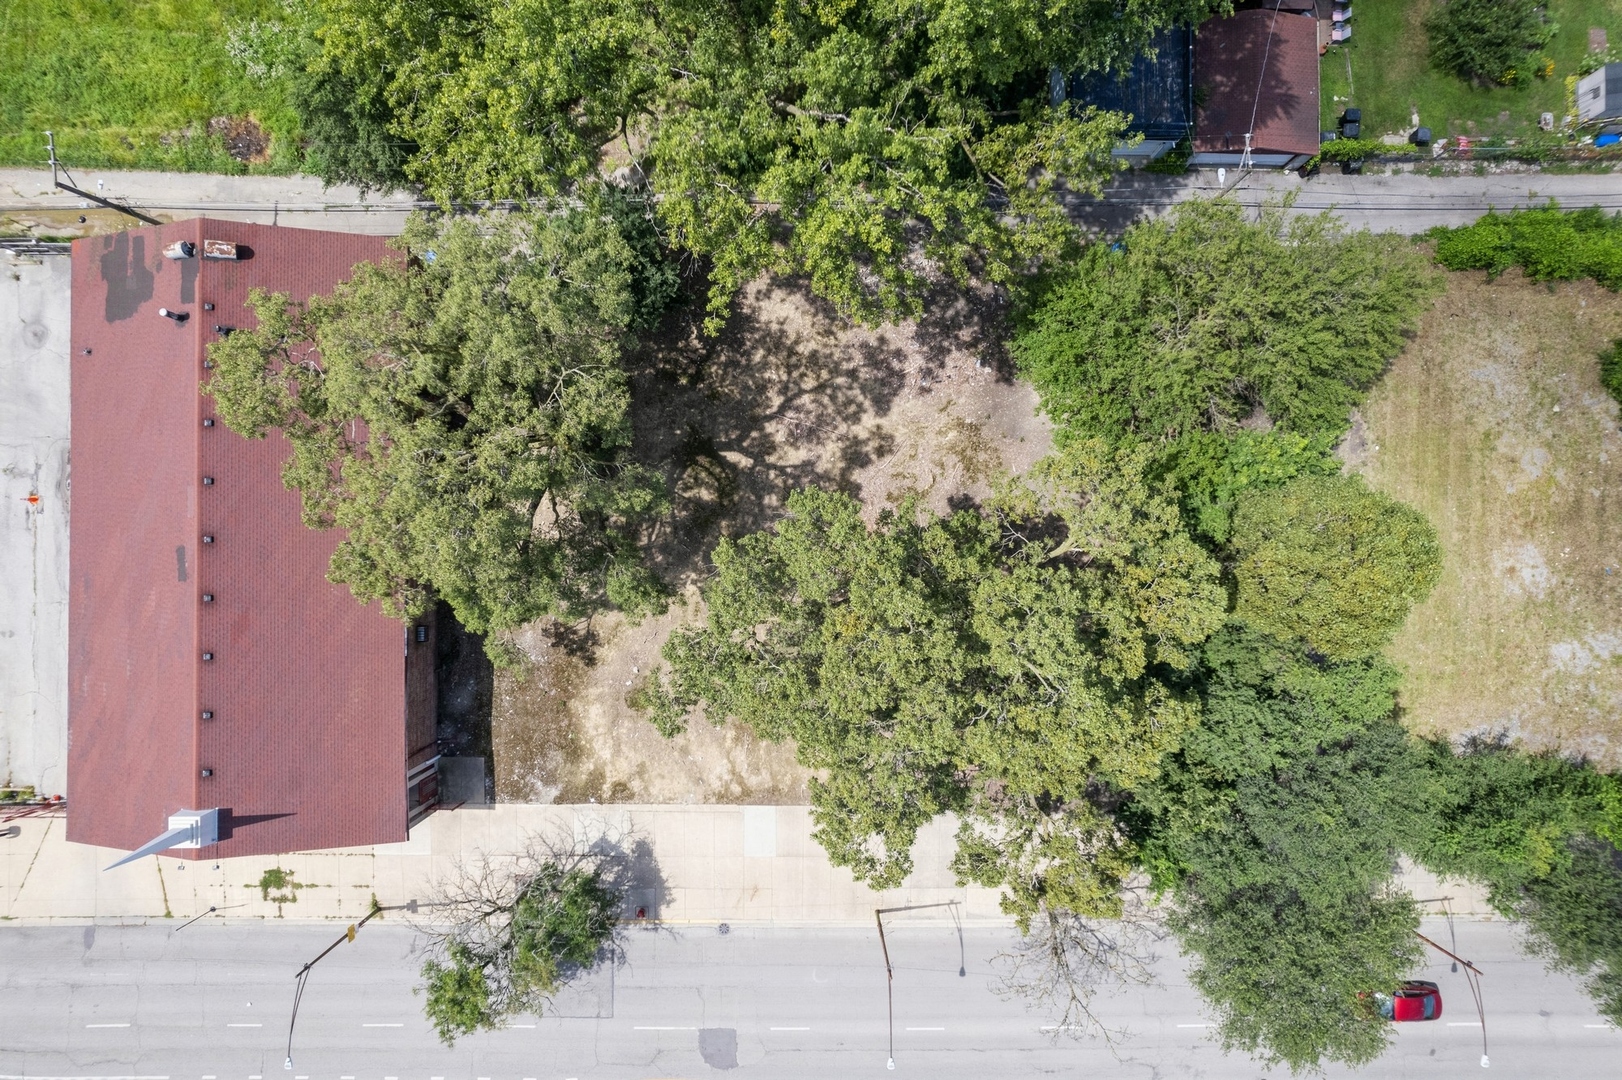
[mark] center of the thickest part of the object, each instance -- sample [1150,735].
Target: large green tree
[1275,826]
[1014,664]
[461,412]
[825,138]
[1197,319]
[1331,562]
[1539,830]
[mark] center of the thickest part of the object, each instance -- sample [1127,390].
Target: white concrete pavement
[33,522]
[694,865]
[213,1002]
[27,196]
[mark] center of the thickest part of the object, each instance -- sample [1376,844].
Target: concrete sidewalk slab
[702,865]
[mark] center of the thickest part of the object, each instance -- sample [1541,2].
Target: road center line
[664,1029]
[1193,1025]
[1464,1023]
[926,1029]
[244,1025]
[382,1025]
[1611,1027]
[791,1029]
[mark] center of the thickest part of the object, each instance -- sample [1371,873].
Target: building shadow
[465,679]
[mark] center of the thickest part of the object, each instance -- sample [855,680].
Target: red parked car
[1412,1001]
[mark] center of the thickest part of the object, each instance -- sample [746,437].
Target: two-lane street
[212,1002]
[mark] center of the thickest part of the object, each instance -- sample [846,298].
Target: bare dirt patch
[790,395]
[1494,423]
[244,139]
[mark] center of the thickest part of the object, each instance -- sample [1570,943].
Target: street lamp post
[889,969]
[1472,976]
[303,975]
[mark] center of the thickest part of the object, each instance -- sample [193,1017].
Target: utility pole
[56,182]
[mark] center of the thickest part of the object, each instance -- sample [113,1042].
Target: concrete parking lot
[34,521]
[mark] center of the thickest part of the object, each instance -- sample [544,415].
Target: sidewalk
[743,864]
[26,195]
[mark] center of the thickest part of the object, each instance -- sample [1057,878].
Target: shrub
[1212,471]
[1548,243]
[1610,370]
[1487,41]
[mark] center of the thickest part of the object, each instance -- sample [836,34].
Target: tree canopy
[1540,831]
[1275,826]
[825,139]
[509,934]
[1195,320]
[1011,664]
[1487,41]
[1330,562]
[462,413]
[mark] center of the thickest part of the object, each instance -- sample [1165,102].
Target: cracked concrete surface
[34,323]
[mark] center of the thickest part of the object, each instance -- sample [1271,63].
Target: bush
[1329,562]
[1610,370]
[1487,41]
[1353,149]
[1548,243]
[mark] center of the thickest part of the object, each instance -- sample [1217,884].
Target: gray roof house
[1599,96]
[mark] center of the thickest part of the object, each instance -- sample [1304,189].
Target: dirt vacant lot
[1494,423]
[789,396]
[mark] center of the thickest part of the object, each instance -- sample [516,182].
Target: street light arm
[1475,989]
[1444,952]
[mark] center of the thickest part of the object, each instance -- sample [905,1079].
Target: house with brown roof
[1256,75]
[223,694]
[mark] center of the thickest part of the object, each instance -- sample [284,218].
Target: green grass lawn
[1390,74]
[132,84]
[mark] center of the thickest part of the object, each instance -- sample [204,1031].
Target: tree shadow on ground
[789,395]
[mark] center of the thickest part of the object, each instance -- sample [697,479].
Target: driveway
[33,521]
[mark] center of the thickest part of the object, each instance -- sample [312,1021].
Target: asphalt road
[1404,202]
[212,1002]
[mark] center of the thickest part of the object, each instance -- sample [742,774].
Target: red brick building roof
[203,634]
[1257,71]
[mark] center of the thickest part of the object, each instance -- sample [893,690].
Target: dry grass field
[789,395]
[1494,423]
